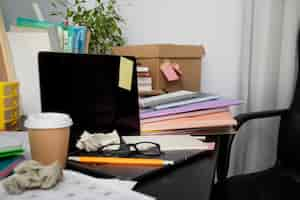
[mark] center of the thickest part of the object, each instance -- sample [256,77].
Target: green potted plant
[103,22]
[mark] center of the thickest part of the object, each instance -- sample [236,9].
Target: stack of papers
[172,142]
[183,111]
[10,147]
[7,165]
[79,186]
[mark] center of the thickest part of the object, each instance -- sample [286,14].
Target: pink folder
[169,72]
[222,119]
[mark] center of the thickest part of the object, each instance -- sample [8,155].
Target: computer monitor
[86,87]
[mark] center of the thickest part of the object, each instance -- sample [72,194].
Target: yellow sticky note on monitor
[125,74]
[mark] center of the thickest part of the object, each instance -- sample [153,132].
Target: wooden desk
[191,178]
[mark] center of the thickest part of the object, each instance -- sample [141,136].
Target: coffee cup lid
[48,120]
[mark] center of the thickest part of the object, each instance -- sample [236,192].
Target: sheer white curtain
[267,75]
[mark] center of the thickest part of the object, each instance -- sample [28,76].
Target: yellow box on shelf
[9,114]
[9,125]
[9,105]
[8,89]
[9,102]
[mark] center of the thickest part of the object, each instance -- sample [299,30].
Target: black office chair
[282,181]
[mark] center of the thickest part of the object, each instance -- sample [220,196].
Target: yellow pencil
[121,161]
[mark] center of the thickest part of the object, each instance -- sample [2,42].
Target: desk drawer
[8,89]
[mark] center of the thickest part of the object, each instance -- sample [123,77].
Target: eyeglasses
[142,148]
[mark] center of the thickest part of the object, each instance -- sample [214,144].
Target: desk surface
[190,179]
[137,172]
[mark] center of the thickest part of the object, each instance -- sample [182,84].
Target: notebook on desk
[137,172]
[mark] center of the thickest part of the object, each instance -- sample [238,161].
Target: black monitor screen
[87,88]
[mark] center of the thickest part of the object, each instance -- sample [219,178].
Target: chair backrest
[289,132]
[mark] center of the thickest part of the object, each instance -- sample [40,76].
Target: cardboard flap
[161,51]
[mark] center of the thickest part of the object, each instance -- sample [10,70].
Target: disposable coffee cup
[49,137]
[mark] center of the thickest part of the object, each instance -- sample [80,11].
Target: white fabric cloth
[268,66]
[79,186]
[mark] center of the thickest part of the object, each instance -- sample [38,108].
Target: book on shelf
[165,98]
[143,74]
[144,88]
[144,80]
[142,69]
[66,38]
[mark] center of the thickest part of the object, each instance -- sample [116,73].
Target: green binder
[12,152]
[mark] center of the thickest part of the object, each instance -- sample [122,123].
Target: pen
[122,161]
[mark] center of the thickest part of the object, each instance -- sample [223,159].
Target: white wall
[217,24]
[15,8]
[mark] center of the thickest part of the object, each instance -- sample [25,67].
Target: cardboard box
[187,56]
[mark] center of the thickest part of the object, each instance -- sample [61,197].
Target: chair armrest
[244,117]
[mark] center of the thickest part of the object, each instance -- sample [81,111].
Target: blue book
[79,39]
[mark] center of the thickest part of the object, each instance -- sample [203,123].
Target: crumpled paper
[92,142]
[31,175]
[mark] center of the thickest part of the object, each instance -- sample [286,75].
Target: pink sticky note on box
[176,67]
[169,72]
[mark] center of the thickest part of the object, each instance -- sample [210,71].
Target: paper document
[25,48]
[165,98]
[172,142]
[126,73]
[214,104]
[201,98]
[79,186]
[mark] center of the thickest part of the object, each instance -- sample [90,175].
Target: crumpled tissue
[31,175]
[92,142]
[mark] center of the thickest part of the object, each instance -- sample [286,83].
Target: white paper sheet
[81,187]
[171,142]
[25,48]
